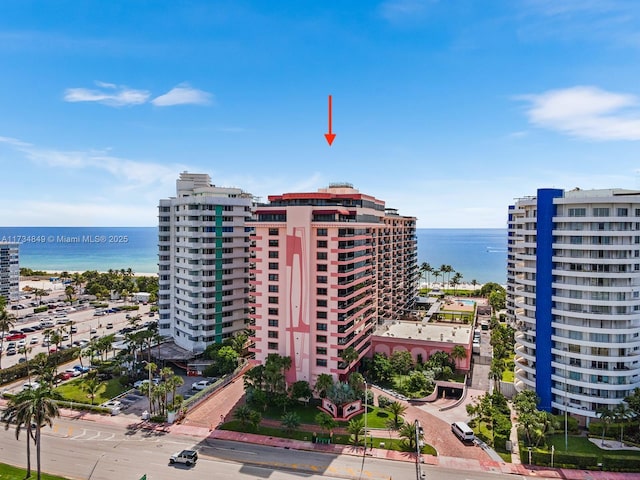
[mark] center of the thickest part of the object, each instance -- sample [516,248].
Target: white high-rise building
[203,244]
[9,271]
[573,294]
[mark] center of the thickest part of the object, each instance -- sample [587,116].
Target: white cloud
[393,10]
[134,173]
[586,112]
[183,95]
[110,94]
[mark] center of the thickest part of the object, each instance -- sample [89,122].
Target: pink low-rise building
[423,340]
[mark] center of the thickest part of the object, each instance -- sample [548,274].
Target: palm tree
[436,274]
[349,355]
[458,353]
[326,422]
[426,268]
[455,281]
[7,322]
[32,409]
[606,417]
[622,414]
[397,410]
[173,382]
[92,386]
[495,372]
[408,433]
[290,421]
[356,428]
[323,383]
[243,413]
[474,282]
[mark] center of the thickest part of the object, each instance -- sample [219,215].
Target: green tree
[254,419]
[301,390]
[326,422]
[226,360]
[324,382]
[69,291]
[408,434]
[349,355]
[290,421]
[455,281]
[425,268]
[397,410]
[497,300]
[458,353]
[606,417]
[417,381]
[356,429]
[92,386]
[7,322]
[32,409]
[243,414]
[401,362]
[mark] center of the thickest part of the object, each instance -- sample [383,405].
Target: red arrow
[330,136]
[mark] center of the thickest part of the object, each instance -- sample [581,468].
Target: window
[322,244]
[321,315]
[322,232]
[321,279]
[273,243]
[274,277]
[273,288]
[321,362]
[321,291]
[321,267]
[321,255]
[273,300]
[623,212]
[321,339]
[272,346]
[321,351]
[273,231]
[577,212]
[273,265]
[322,327]
[273,311]
[272,334]
[273,254]
[273,322]
[600,212]
[321,303]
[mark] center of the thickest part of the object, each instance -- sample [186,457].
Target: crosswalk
[89,434]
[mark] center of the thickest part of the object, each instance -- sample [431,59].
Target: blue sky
[447,110]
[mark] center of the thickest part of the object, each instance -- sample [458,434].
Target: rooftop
[434,332]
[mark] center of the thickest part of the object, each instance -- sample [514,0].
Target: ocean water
[478,254]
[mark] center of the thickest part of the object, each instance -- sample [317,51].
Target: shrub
[383,401]
[621,463]
[44,308]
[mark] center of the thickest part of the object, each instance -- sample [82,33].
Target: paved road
[83,449]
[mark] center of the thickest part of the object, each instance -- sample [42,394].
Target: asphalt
[203,422]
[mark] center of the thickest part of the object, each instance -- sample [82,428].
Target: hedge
[560,459]
[620,463]
[19,370]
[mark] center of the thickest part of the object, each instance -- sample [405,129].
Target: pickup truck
[188,457]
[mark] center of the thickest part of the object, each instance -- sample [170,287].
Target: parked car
[188,457]
[63,376]
[33,341]
[30,385]
[11,351]
[81,368]
[109,326]
[201,385]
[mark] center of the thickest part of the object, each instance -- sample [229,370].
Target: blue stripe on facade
[546,210]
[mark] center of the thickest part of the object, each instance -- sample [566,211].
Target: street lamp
[149,382]
[418,435]
[366,411]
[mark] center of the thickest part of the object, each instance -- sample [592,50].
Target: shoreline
[52,273]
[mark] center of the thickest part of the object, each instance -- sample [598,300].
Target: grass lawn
[9,472]
[307,414]
[389,444]
[508,376]
[583,445]
[377,417]
[73,391]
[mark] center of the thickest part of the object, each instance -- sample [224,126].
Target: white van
[462,431]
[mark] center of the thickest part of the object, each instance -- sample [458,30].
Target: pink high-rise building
[326,268]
